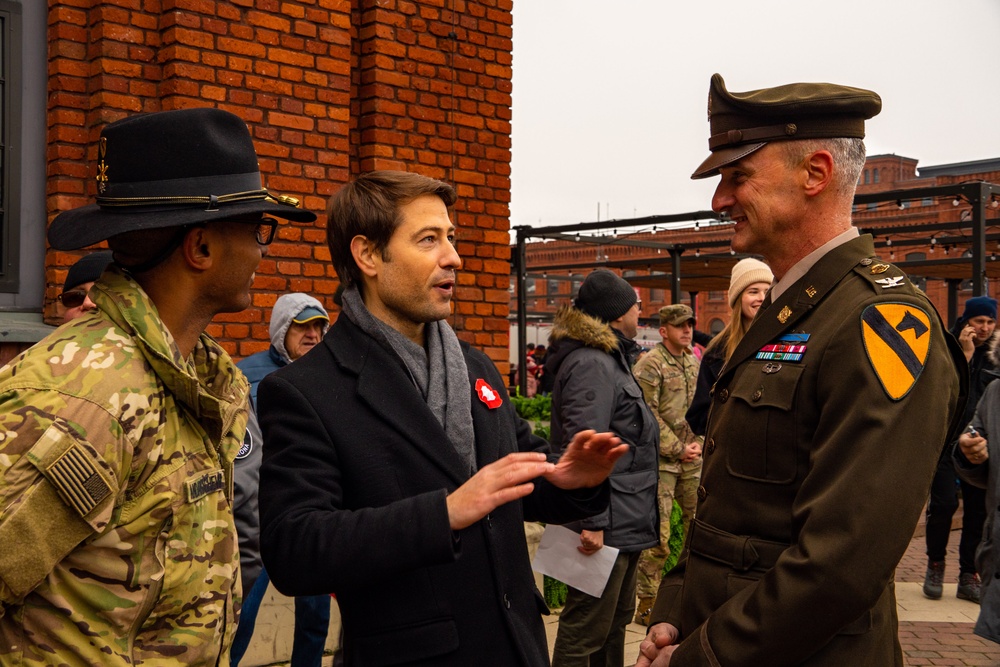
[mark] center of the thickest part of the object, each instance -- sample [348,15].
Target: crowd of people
[151,488]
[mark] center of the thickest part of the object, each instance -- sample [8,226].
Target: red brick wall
[329,88]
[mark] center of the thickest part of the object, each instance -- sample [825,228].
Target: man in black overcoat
[397,474]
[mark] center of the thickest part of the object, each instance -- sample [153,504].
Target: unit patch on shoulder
[897,338]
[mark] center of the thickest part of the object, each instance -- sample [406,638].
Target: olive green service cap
[743,122]
[676,314]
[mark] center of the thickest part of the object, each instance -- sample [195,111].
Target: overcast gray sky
[610,97]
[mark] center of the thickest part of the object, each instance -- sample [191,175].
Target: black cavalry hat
[168,169]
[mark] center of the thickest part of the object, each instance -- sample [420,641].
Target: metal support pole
[952,301]
[975,193]
[521,268]
[675,274]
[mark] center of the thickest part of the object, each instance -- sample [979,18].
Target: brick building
[909,231]
[329,89]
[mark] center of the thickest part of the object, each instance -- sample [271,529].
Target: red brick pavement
[940,643]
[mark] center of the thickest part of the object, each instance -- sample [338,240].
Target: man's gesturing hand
[495,484]
[587,460]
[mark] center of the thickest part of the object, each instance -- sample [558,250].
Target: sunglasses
[266,228]
[73,298]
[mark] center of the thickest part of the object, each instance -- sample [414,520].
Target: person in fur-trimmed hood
[590,356]
[976,333]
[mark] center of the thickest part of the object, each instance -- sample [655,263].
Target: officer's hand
[692,451]
[974,447]
[591,541]
[495,484]
[659,644]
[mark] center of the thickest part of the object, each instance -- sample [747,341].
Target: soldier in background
[120,428]
[668,376]
[75,297]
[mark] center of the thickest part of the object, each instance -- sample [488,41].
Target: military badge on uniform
[880,268]
[894,281]
[785,313]
[897,339]
[488,394]
[246,447]
[102,168]
[787,347]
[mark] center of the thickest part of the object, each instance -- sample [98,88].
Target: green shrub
[536,408]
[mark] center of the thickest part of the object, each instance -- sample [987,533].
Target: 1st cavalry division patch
[897,337]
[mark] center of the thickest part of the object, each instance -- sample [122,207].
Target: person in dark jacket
[976,333]
[397,473]
[748,284]
[976,458]
[589,354]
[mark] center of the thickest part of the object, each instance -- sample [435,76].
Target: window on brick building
[716,296]
[715,326]
[576,280]
[866,177]
[10,142]
[552,286]
[874,175]
[927,201]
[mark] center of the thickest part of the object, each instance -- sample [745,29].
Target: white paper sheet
[558,557]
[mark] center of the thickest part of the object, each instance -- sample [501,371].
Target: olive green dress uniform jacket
[117,543]
[815,476]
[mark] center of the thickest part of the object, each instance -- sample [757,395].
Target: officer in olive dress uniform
[825,424]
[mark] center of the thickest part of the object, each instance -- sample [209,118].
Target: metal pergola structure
[711,271]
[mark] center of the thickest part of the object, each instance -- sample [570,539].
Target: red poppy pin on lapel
[487,395]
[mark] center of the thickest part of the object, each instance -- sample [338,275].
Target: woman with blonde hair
[748,284]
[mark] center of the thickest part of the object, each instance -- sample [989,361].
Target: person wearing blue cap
[976,333]
[298,322]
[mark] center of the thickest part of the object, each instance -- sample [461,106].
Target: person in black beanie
[976,333]
[590,356]
[75,297]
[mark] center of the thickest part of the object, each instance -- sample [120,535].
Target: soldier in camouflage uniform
[668,376]
[118,431]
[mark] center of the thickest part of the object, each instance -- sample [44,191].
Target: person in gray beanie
[589,356]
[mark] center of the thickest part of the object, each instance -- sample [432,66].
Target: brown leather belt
[737,551]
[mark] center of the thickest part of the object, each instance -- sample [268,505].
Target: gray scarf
[439,372]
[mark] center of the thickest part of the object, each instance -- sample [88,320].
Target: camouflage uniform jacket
[668,385]
[117,543]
